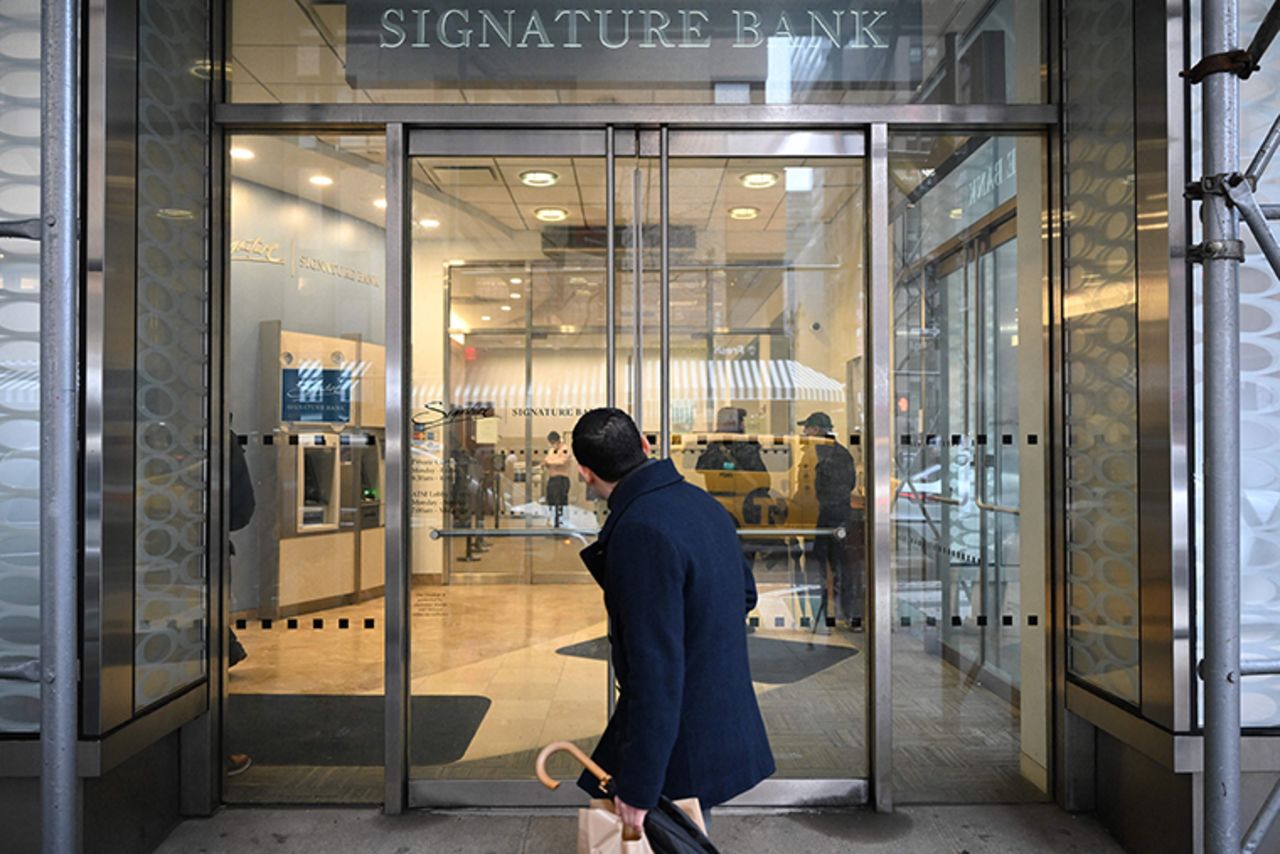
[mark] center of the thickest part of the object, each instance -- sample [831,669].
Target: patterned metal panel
[172,349]
[19,360]
[1100,336]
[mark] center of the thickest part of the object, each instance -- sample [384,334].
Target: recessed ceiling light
[516,280]
[551,214]
[322,180]
[429,223]
[539,178]
[455,262]
[241,153]
[956,213]
[758,180]
[743,213]
[517,295]
[485,317]
[380,204]
[506,308]
[175,213]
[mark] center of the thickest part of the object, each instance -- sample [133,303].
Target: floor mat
[326,729]
[773,661]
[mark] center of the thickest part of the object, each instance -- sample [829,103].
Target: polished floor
[977,829]
[533,652]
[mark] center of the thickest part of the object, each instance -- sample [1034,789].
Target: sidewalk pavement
[970,829]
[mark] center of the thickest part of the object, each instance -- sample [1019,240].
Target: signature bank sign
[528,43]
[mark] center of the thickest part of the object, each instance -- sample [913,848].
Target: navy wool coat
[677,590]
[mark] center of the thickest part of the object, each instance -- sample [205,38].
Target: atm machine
[320,539]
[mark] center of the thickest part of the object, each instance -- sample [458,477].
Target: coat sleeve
[646,579]
[749,584]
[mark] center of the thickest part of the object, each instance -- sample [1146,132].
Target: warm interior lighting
[240,153]
[516,280]
[486,318]
[517,295]
[455,262]
[551,214]
[743,213]
[539,178]
[380,204]
[506,308]
[759,180]
[322,180]
[429,223]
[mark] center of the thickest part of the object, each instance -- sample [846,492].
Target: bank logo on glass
[314,394]
[393,43]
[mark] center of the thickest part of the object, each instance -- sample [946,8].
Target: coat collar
[651,475]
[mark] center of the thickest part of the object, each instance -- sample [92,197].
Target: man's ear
[588,476]
[644,443]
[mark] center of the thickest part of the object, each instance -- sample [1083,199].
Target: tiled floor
[955,740]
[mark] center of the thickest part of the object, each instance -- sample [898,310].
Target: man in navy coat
[677,590]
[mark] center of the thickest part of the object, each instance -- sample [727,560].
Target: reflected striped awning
[582,385]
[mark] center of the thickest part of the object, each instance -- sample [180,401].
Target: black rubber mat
[327,729]
[773,661]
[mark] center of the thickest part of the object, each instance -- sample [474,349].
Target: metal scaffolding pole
[59,450]
[1221,253]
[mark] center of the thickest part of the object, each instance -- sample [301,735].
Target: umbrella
[667,828]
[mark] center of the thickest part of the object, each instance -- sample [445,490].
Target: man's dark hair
[607,442]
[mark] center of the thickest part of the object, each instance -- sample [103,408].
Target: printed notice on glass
[523,44]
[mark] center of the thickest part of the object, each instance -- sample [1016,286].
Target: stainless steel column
[664,323]
[59,450]
[637,345]
[611,267]
[878,461]
[1221,112]
[399,382]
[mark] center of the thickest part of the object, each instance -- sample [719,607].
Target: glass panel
[509,636]
[1259,393]
[361,51]
[1100,339]
[969,620]
[171,611]
[767,321]
[20,366]
[306,395]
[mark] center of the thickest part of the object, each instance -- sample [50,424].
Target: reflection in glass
[509,635]
[968,385]
[305,393]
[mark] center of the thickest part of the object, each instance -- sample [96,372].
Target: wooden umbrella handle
[576,752]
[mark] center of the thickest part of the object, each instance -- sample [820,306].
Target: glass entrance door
[712,284]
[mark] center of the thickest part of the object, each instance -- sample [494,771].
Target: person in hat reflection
[834,480]
[677,591]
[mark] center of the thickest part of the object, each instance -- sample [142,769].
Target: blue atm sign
[315,395]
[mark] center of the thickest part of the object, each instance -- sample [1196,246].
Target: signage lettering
[875,43]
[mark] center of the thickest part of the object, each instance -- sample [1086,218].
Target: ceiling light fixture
[455,262]
[517,295]
[322,180]
[744,213]
[506,308]
[551,214]
[516,280]
[241,153]
[759,180]
[429,223]
[380,204]
[956,213]
[175,213]
[486,318]
[539,178]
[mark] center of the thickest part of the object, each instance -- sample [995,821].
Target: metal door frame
[610,142]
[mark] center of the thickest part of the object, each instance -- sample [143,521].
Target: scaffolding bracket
[1216,250]
[1238,62]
